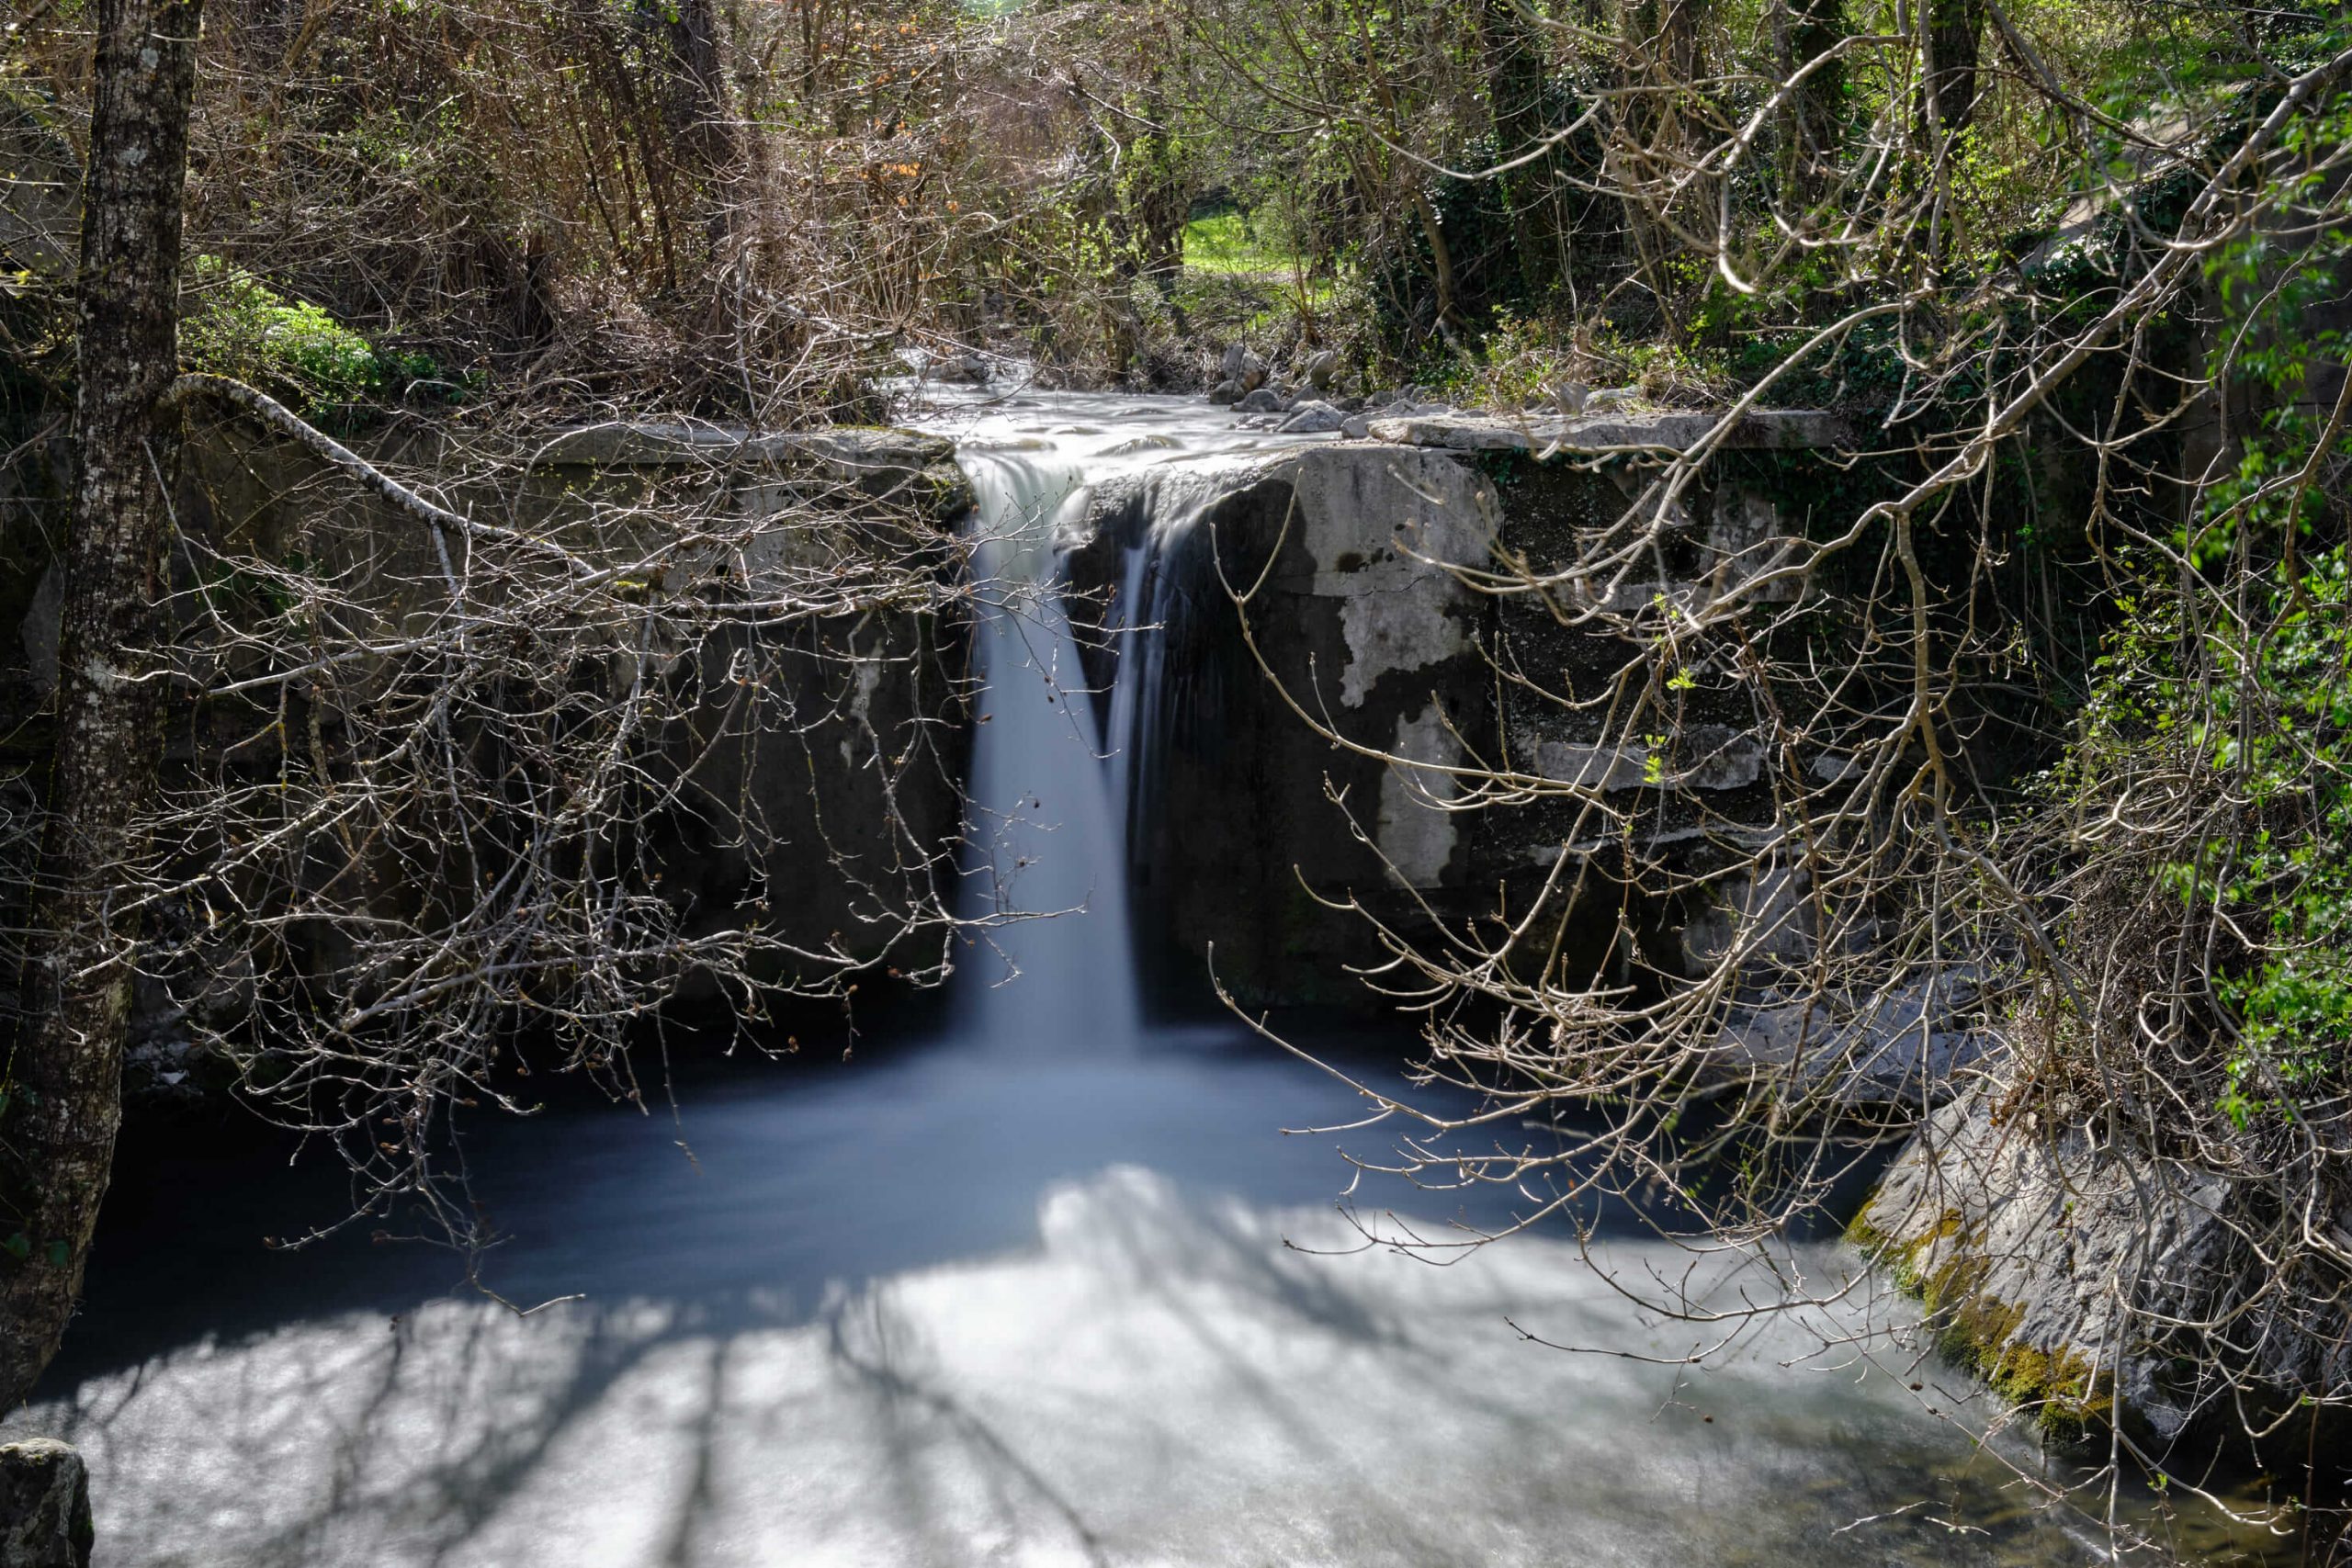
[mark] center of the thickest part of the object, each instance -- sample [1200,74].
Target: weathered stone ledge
[638,444]
[1761,430]
[880,462]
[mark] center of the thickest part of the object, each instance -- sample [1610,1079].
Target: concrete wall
[1277,798]
[827,804]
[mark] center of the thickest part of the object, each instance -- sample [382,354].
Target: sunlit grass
[1228,242]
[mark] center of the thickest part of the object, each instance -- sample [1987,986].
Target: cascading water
[1055,794]
[1150,602]
[1047,856]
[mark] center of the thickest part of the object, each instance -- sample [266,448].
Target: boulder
[1226,391]
[1356,427]
[1322,369]
[2065,1268]
[1242,366]
[1266,399]
[1314,418]
[44,1505]
[961,370]
[1910,1041]
[1567,398]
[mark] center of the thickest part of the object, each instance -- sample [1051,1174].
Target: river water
[1049,1285]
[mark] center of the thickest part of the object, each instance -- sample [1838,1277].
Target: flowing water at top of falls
[1051,1286]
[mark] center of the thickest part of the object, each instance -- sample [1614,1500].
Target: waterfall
[1162,568]
[1057,798]
[1046,838]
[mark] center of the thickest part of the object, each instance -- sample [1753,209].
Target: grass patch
[1230,243]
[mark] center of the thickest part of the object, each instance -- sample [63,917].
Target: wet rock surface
[1359,629]
[44,1505]
[1314,417]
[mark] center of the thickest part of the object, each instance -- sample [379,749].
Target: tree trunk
[1811,121]
[693,92]
[64,1079]
[1159,187]
[1441,257]
[1516,71]
[1955,37]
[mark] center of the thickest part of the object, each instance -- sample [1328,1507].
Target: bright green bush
[240,327]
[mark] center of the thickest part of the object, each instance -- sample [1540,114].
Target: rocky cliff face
[1262,793]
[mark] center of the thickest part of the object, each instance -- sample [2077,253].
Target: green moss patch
[2064,1391]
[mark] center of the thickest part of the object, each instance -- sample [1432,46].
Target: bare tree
[64,1071]
[479,738]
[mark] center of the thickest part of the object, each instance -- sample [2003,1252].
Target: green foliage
[2281,724]
[1236,242]
[242,328]
[2255,703]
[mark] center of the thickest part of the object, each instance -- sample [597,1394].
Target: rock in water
[44,1505]
[1312,418]
[1266,399]
[963,370]
[1226,391]
[1242,366]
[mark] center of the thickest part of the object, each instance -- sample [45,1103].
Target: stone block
[44,1505]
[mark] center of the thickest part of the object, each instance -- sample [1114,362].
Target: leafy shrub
[242,328]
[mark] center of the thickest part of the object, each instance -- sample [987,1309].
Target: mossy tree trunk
[63,1074]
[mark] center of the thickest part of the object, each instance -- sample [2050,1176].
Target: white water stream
[1038,1292]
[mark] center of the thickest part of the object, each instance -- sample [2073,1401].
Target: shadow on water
[774,1180]
[903,1315]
